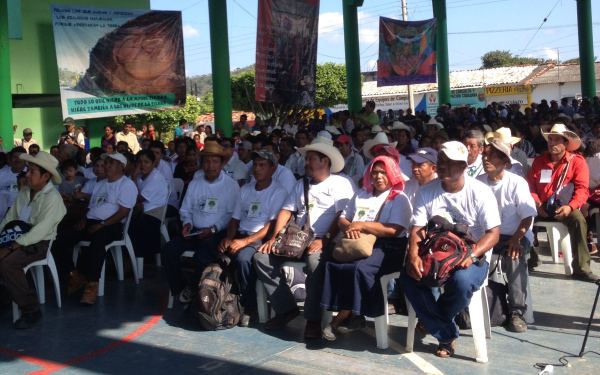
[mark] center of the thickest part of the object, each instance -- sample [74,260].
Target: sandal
[420,328]
[446,350]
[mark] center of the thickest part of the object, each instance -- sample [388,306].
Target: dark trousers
[11,273]
[205,252]
[144,232]
[91,259]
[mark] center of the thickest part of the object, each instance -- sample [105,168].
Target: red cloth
[578,174]
[392,170]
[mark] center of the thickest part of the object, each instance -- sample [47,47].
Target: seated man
[40,205]
[461,200]
[205,211]
[111,200]
[545,175]
[517,210]
[256,208]
[328,195]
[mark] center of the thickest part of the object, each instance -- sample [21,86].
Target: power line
[244,9]
[539,28]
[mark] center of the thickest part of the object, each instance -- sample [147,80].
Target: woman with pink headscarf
[380,209]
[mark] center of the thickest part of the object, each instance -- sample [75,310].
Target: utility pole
[352,54]
[411,99]
[586,48]
[6,129]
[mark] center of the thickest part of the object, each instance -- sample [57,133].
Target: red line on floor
[49,367]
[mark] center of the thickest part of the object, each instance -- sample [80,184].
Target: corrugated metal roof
[463,79]
[562,73]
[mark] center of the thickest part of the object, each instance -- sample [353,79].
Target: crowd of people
[385,174]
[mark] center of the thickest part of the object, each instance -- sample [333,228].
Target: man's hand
[352,234]
[514,248]
[94,228]
[267,247]
[414,267]
[224,245]
[563,211]
[204,233]
[315,246]
[186,230]
[465,263]
[237,245]
[541,211]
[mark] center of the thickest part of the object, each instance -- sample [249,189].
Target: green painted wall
[34,70]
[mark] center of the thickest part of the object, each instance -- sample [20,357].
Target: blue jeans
[245,275]
[438,315]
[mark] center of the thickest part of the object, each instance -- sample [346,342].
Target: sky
[474,28]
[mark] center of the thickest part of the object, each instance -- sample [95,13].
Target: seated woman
[144,229]
[380,209]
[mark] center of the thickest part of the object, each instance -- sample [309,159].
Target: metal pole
[219,48]
[6,131]
[352,53]
[586,48]
[587,331]
[441,42]
[411,99]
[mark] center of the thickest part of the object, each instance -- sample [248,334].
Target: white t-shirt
[255,208]
[406,167]
[9,189]
[107,197]
[411,187]
[296,163]
[475,205]
[354,167]
[165,170]
[88,187]
[235,168]
[325,200]
[154,190]
[594,167]
[88,173]
[514,202]
[282,175]
[364,207]
[209,203]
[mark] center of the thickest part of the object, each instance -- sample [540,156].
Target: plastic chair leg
[486,313]
[565,245]
[381,331]
[101,281]
[478,327]
[158,262]
[16,312]
[164,233]
[553,237]
[412,325]
[117,255]
[140,267]
[132,258]
[261,302]
[38,280]
[54,274]
[170,303]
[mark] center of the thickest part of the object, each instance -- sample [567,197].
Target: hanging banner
[118,62]
[286,51]
[406,52]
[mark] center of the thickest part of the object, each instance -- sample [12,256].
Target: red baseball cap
[344,139]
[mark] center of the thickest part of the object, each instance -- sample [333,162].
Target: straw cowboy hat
[500,145]
[433,121]
[46,161]
[504,135]
[325,146]
[563,131]
[380,139]
[213,148]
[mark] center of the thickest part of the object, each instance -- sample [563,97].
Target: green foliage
[497,59]
[331,84]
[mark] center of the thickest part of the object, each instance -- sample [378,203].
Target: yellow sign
[507,90]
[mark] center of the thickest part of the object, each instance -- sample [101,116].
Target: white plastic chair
[176,187]
[480,324]
[38,280]
[596,212]
[115,250]
[559,239]
[164,233]
[186,254]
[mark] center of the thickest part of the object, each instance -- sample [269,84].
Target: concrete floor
[129,331]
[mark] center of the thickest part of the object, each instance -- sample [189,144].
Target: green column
[219,48]
[351,46]
[586,48]
[441,42]
[6,120]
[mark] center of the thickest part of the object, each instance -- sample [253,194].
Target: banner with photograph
[406,52]
[118,61]
[286,51]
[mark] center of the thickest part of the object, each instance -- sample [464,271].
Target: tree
[497,59]
[331,84]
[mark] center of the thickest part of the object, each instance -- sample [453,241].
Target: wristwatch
[474,258]
[213,229]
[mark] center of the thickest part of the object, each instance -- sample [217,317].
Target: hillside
[200,85]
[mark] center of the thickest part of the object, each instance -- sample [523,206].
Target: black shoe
[585,276]
[281,320]
[516,323]
[353,323]
[28,320]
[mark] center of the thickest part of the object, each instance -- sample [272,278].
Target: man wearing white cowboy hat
[40,205]
[328,195]
[517,210]
[504,135]
[560,166]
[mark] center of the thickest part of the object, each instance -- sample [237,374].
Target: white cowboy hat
[377,129]
[433,121]
[563,131]
[333,130]
[398,125]
[501,146]
[380,139]
[325,146]
[46,161]
[503,135]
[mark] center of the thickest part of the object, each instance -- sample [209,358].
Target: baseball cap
[455,150]
[265,154]
[68,120]
[116,156]
[27,131]
[344,138]
[425,154]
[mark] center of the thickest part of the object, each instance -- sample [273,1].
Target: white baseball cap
[117,156]
[455,150]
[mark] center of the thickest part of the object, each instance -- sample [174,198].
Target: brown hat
[213,148]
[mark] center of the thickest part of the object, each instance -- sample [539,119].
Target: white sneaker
[328,333]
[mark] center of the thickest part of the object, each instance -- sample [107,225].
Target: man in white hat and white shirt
[110,203]
[461,201]
[544,178]
[40,205]
[517,211]
[328,195]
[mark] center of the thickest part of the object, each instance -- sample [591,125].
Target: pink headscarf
[392,170]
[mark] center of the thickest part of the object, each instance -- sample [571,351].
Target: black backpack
[217,306]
